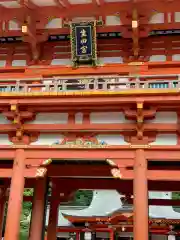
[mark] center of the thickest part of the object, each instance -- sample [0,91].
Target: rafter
[62,3]
[27,4]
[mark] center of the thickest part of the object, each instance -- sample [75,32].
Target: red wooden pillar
[37,219]
[140,196]
[53,215]
[2,208]
[15,197]
[111,234]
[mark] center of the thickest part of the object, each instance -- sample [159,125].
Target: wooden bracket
[139,120]
[18,117]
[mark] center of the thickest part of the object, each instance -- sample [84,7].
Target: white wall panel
[51,118]
[48,139]
[54,23]
[111,60]
[108,117]
[164,117]
[113,139]
[165,139]
[113,20]
[176,57]
[157,18]
[2,63]
[17,63]
[4,120]
[177,16]
[4,139]
[157,58]
[61,62]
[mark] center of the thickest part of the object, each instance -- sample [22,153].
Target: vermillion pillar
[53,216]
[140,196]
[2,209]
[37,219]
[15,197]
[111,235]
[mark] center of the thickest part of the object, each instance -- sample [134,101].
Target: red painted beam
[152,202]
[160,127]
[160,202]
[29,173]
[124,186]
[111,152]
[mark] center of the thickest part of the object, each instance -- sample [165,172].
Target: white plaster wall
[111,60]
[157,18]
[2,63]
[3,119]
[113,20]
[165,139]
[108,117]
[4,139]
[177,16]
[79,118]
[157,58]
[54,23]
[164,117]
[61,62]
[114,139]
[13,25]
[176,57]
[48,139]
[16,63]
[51,118]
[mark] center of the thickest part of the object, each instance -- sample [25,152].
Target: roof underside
[115,14]
[48,20]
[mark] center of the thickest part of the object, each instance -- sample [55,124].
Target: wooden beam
[123,186]
[111,152]
[154,175]
[162,68]
[160,202]
[81,154]
[152,202]
[156,127]
[29,173]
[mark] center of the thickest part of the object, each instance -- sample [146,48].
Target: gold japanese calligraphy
[84,49]
[83,41]
[83,33]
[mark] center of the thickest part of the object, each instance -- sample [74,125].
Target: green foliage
[26,215]
[176,195]
[83,198]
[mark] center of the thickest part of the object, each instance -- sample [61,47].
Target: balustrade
[96,83]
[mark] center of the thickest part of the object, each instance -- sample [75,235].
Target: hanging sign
[83,43]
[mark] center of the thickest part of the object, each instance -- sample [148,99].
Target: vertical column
[2,209]
[15,197]
[53,215]
[111,234]
[37,219]
[140,196]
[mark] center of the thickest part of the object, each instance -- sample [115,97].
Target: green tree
[83,198]
[26,214]
[176,196]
